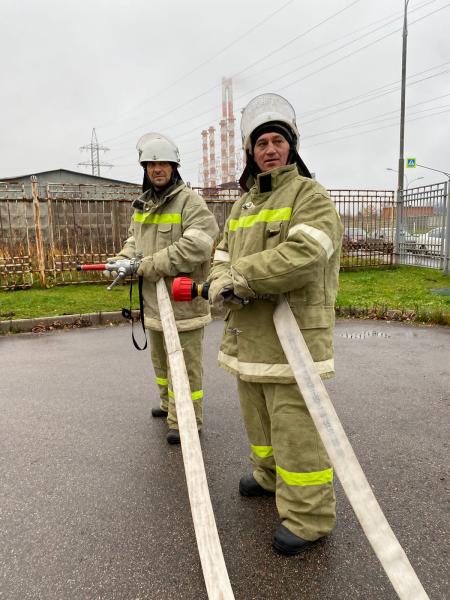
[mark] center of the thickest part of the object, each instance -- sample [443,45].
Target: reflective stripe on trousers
[197,395]
[192,344]
[288,456]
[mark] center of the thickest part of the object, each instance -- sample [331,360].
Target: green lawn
[405,288]
[64,300]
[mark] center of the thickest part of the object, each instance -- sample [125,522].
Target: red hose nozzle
[184,289]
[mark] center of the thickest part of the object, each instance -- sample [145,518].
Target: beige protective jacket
[284,237]
[178,231]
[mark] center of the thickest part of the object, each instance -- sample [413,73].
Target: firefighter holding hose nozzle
[172,231]
[282,237]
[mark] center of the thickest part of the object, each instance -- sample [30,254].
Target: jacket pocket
[313,317]
[273,232]
[164,236]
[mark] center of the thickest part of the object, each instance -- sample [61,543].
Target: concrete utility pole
[401,159]
[94,148]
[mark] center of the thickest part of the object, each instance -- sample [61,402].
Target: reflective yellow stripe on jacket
[157,218]
[264,216]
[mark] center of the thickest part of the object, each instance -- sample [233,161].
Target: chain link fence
[45,231]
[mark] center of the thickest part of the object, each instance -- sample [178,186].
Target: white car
[408,241]
[431,242]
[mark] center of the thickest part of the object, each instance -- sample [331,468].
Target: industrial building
[64,176]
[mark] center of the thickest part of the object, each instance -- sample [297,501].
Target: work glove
[147,269]
[222,295]
[222,284]
[108,274]
[240,285]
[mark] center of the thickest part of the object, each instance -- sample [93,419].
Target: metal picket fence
[423,227]
[46,231]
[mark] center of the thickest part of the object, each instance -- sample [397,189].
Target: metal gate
[422,227]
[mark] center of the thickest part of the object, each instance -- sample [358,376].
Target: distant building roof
[61,172]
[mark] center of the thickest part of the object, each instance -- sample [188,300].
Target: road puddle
[362,335]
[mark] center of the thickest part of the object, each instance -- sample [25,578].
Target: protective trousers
[192,345]
[289,457]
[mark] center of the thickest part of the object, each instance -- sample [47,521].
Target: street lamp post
[415,179]
[408,183]
[404,176]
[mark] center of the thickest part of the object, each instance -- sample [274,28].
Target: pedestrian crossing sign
[410,163]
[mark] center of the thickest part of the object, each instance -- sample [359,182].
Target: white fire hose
[356,487]
[214,570]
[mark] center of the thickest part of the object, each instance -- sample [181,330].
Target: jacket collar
[271,180]
[150,200]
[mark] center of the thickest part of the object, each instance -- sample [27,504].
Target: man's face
[271,151]
[159,173]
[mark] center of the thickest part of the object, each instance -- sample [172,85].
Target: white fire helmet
[157,147]
[265,109]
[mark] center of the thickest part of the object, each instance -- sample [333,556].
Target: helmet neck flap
[264,114]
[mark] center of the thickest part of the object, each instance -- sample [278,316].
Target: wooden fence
[46,231]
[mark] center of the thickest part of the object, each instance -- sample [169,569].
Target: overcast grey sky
[129,67]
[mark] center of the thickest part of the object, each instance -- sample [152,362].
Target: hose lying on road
[356,487]
[214,570]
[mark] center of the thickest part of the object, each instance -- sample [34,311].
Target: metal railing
[423,227]
[367,220]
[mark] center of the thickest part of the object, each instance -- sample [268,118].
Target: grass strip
[402,293]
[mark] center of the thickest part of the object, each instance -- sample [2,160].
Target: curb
[63,322]
[43,324]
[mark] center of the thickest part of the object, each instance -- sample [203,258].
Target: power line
[318,70]
[272,52]
[339,59]
[394,124]
[398,16]
[182,105]
[380,117]
[302,66]
[211,58]
[370,93]
[228,46]
[240,72]
[349,43]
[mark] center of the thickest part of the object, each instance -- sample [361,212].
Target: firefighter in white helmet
[282,237]
[173,229]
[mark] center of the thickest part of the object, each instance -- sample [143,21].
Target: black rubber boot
[286,542]
[248,486]
[159,412]
[173,436]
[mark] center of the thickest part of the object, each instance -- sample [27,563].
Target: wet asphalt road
[93,501]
